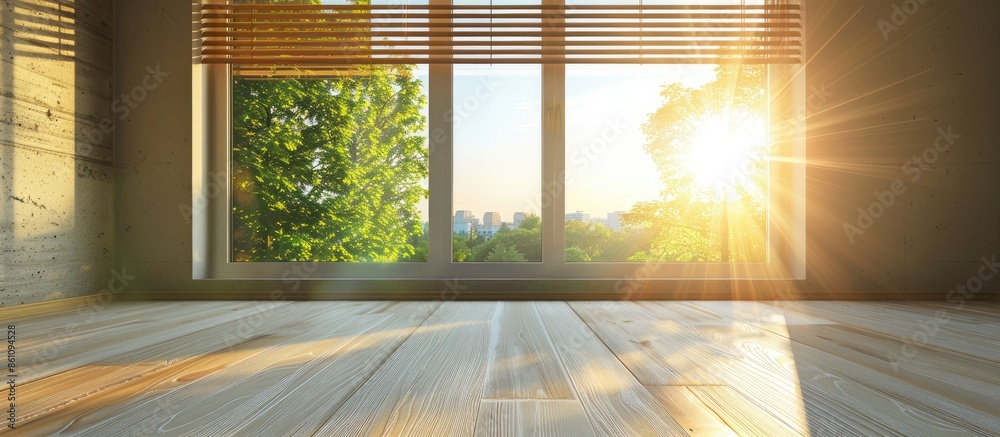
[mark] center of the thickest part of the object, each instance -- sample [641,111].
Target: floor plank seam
[888,394]
[592,331]
[375,369]
[562,363]
[879,332]
[125,353]
[622,363]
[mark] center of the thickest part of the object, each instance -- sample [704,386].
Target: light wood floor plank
[44,322]
[146,404]
[759,313]
[966,379]
[60,354]
[615,401]
[971,309]
[426,368]
[523,361]
[660,349]
[743,415]
[72,325]
[431,386]
[633,352]
[303,400]
[965,318]
[44,395]
[684,406]
[959,337]
[750,361]
[969,380]
[532,418]
[871,399]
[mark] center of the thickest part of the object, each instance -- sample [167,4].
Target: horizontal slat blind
[295,39]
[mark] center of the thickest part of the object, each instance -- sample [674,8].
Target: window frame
[211,191]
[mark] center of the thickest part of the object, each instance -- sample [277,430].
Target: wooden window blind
[266,39]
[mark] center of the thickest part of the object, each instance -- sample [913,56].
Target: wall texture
[55,160]
[882,85]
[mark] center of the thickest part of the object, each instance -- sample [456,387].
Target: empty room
[500,217]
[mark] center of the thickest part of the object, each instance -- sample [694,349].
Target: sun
[721,149]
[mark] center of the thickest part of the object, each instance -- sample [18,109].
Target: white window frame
[211,190]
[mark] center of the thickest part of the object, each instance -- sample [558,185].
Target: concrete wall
[879,101]
[55,162]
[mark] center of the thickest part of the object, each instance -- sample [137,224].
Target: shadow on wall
[55,190]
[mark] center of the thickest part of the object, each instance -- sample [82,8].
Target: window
[666,163]
[593,140]
[498,163]
[331,169]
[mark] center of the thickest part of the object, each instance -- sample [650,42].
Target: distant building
[615,220]
[518,218]
[491,220]
[490,226]
[486,233]
[462,222]
[578,216]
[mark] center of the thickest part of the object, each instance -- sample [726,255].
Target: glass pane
[497,164]
[665,163]
[331,170]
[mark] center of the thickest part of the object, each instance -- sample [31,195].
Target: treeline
[585,242]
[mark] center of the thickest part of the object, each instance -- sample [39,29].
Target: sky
[498,118]
[497,159]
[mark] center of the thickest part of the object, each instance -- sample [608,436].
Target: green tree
[528,242]
[531,222]
[328,169]
[694,221]
[575,254]
[504,253]
[590,238]
[460,249]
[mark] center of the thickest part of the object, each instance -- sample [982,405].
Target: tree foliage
[328,169]
[504,253]
[694,222]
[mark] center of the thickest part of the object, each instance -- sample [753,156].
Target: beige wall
[55,162]
[884,101]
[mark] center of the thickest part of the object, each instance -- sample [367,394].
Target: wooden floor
[510,368]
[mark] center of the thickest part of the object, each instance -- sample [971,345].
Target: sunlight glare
[720,151]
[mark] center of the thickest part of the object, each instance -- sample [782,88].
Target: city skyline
[469,218]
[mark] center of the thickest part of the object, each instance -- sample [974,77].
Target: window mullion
[440,140]
[439,127]
[553,159]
